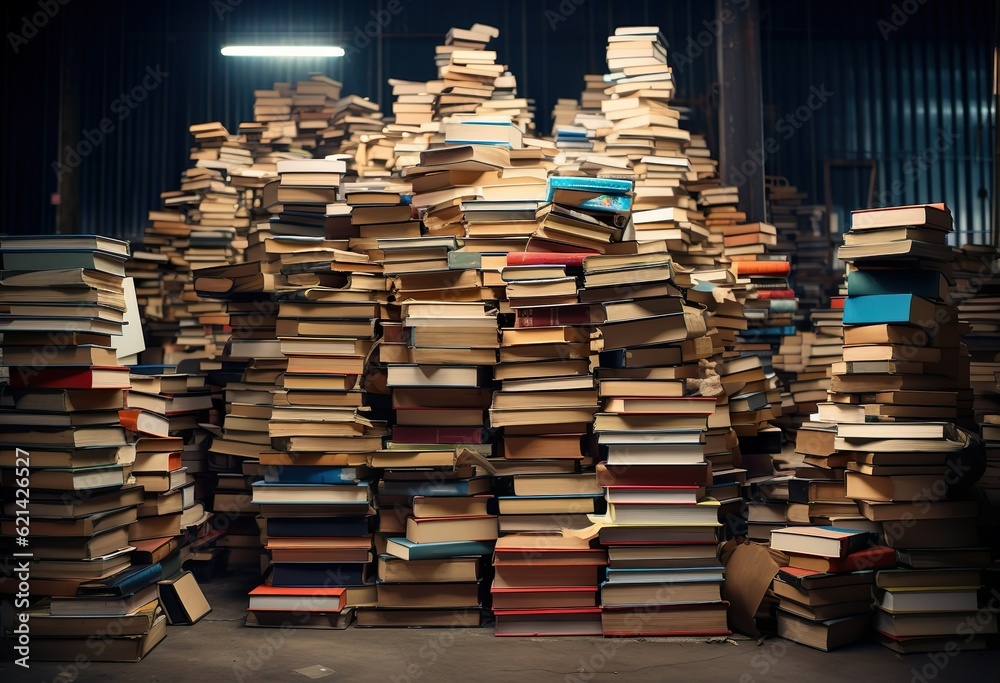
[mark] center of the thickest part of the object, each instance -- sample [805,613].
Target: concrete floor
[220,649]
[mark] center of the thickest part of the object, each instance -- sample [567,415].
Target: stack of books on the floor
[117,619]
[904,365]
[320,429]
[434,529]
[546,585]
[656,472]
[65,296]
[825,592]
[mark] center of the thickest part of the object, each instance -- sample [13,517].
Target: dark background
[913,93]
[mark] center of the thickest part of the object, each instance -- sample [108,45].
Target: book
[829,542]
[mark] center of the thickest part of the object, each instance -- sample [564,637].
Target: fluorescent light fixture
[282,51]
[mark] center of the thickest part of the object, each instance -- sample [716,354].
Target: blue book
[929,284]
[313,474]
[585,184]
[304,527]
[318,574]
[607,202]
[460,487]
[408,550]
[888,309]
[126,582]
[152,369]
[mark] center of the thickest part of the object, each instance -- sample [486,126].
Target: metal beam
[741,131]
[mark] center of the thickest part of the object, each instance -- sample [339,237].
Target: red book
[72,377]
[282,598]
[837,302]
[654,475]
[552,316]
[763,267]
[876,557]
[776,294]
[438,435]
[546,258]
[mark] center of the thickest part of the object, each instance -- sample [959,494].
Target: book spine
[436,435]
[543,258]
[776,294]
[551,317]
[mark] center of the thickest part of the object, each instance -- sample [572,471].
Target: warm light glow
[282,51]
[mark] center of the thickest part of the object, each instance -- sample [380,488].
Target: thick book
[890,309]
[874,557]
[821,541]
[318,574]
[72,377]
[929,284]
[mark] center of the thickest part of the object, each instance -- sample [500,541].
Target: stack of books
[434,529]
[641,85]
[825,592]
[117,619]
[546,585]
[354,119]
[904,366]
[66,296]
[656,472]
[321,430]
[165,409]
[468,70]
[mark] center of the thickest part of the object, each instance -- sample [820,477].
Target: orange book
[749,238]
[763,268]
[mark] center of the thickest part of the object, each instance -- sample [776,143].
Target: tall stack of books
[434,530]
[903,364]
[547,397]
[353,119]
[63,312]
[320,428]
[825,591]
[665,578]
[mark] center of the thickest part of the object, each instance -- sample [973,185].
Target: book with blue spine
[314,474]
[408,550]
[888,309]
[318,574]
[610,186]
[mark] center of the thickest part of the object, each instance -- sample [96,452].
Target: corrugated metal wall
[910,90]
[891,97]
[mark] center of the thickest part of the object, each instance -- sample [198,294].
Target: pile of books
[434,531]
[320,428]
[468,70]
[903,366]
[825,591]
[546,585]
[64,318]
[656,472]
